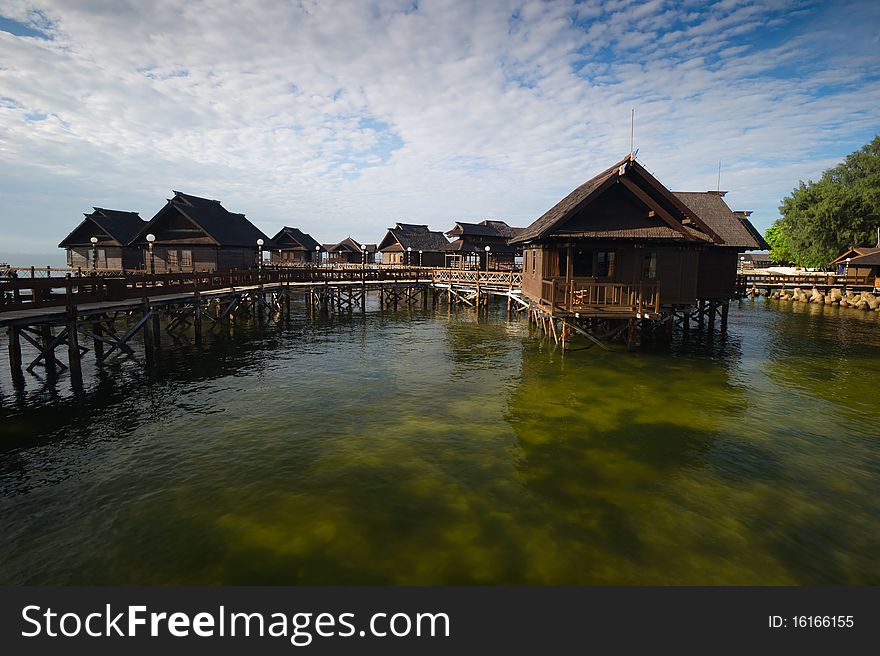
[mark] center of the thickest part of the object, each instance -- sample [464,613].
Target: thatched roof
[224,227]
[417,237]
[673,220]
[119,226]
[487,228]
[735,230]
[857,253]
[347,245]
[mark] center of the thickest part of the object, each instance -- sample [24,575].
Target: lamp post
[150,239]
[260,243]
[409,256]
[846,273]
[94,241]
[487,258]
[420,258]
[317,254]
[742,262]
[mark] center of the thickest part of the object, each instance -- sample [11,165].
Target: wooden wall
[717,273]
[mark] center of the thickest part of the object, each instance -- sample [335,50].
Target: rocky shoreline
[858,300]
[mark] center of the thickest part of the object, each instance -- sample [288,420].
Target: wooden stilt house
[292,246]
[468,249]
[623,245]
[198,234]
[348,251]
[413,245]
[113,230]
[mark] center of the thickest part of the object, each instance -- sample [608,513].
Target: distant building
[113,229]
[413,245]
[756,260]
[293,246]
[863,261]
[198,234]
[468,250]
[348,251]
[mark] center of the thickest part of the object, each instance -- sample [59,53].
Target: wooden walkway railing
[17,293]
[585,296]
[805,279]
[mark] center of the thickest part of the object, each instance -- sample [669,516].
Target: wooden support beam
[14,333]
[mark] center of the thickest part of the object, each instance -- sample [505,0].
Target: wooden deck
[585,297]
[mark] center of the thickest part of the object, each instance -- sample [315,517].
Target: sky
[344,117]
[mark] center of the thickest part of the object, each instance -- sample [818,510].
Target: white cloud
[345,117]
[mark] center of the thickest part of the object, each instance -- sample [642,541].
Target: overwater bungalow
[623,245]
[292,246]
[468,249]
[197,234]
[348,251]
[414,245]
[860,261]
[112,230]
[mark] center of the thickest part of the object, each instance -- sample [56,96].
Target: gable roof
[119,225]
[417,237]
[735,229]
[868,259]
[224,227]
[486,228]
[348,245]
[304,239]
[856,253]
[675,220]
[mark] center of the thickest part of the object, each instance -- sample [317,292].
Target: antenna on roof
[719,176]
[632,130]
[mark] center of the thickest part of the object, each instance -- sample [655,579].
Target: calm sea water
[443,448]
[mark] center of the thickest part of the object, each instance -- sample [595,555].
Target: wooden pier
[53,312]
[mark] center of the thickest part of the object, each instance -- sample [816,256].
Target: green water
[438,448]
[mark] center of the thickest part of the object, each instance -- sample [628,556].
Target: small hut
[348,251]
[468,249]
[113,229]
[197,234]
[413,245]
[292,246]
[860,261]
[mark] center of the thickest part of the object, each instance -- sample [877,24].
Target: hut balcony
[592,297]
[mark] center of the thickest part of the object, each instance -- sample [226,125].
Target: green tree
[842,209]
[780,253]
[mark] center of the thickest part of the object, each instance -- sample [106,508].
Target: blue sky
[342,118]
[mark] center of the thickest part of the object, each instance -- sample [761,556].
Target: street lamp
[846,273]
[94,241]
[260,243]
[487,258]
[150,239]
[420,258]
[317,254]
[409,255]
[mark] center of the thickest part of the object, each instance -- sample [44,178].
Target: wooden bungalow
[623,245]
[718,264]
[113,230]
[413,245]
[198,234]
[348,251]
[292,246]
[860,261]
[468,249]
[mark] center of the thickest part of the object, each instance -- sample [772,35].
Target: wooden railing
[808,279]
[585,295]
[474,277]
[17,293]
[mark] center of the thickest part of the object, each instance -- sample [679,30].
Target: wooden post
[73,354]
[98,331]
[15,348]
[197,315]
[148,333]
[47,338]
[157,333]
[725,307]
[701,313]
[712,306]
